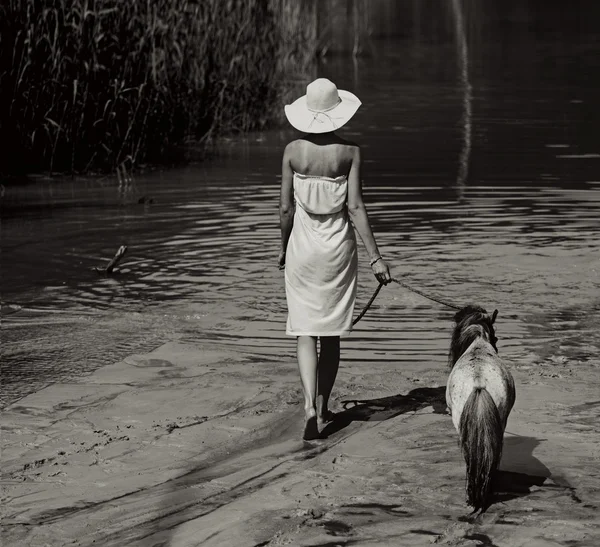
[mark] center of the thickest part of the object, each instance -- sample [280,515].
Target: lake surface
[482,181]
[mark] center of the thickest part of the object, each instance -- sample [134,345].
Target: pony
[480,395]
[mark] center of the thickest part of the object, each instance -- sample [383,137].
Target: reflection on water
[483,184]
[463,65]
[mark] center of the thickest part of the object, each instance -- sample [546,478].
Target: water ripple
[515,229]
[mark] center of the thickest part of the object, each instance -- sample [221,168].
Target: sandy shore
[199,446]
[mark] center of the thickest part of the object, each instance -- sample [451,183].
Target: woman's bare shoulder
[294,149]
[349,143]
[349,149]
[291,149]
[294,145]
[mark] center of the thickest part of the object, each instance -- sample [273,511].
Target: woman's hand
[281,260]
[381,271]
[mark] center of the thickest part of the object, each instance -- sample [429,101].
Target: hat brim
[307,121]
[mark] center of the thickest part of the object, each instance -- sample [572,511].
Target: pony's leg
[307,363]
[329,363]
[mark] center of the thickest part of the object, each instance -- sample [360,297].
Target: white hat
[324,108]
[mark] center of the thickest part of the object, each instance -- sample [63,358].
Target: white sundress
[321,259]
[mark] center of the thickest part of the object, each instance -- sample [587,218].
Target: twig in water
[113,263]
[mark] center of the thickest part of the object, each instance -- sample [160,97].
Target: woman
[321,173]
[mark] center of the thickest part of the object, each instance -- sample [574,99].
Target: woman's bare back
[325,155]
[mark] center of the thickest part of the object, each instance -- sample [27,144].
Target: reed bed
[90,85]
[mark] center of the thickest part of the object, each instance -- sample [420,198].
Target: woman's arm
[286,204]
[357,209]
[360,219]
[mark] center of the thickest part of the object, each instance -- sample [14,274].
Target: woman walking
[321,175]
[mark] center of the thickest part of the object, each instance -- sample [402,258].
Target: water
[482,180]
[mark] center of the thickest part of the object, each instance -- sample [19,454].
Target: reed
[89,85]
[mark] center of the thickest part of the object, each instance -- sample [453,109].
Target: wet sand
[198,445]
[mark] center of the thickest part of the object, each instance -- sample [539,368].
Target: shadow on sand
[384,408]
[519,470]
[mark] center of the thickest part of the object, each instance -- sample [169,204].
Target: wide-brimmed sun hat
[324,108]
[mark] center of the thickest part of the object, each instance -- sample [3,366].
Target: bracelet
[376,260]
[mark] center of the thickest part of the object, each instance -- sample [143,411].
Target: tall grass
[95,84]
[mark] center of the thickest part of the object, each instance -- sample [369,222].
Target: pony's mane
[472,322]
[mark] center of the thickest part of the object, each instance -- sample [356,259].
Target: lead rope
[402,284]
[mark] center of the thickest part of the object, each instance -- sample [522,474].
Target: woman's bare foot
[311,431]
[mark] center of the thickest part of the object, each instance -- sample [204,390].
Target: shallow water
[482,180]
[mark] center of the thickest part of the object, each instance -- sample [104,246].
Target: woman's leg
[327,369]
[307,363]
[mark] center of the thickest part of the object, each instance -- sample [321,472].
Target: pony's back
[481,367]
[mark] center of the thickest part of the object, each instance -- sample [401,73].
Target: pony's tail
[481,437]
